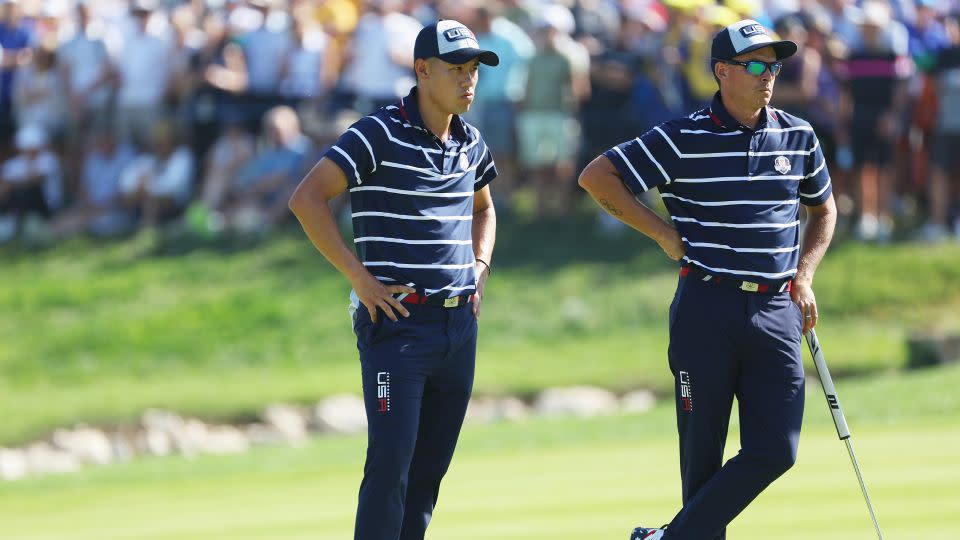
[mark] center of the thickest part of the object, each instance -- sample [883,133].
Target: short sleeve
[355,151]
[815,188]
[486,169]
[642,162]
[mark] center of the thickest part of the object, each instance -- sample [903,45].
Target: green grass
[542,479]
[98,333]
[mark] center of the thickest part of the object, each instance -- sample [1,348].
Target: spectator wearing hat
[547,125]
[876,73]
[30,182]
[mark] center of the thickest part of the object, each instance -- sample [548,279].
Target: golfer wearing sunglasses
[733,177]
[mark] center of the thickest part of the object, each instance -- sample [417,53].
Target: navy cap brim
[783,49]
[462,56]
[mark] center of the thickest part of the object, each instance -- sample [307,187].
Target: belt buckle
[749,286]
[451,302]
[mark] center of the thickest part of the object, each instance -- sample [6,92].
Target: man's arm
[602,181]
[484,228]
[310,203]
[820,223]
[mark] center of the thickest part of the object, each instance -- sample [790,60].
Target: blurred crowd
[117,115]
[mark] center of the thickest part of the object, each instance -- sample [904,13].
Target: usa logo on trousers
[383,392]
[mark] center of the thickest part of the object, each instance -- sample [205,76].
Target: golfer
[424,228]
[732,177]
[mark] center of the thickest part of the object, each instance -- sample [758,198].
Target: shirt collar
[410,112]
[723,118]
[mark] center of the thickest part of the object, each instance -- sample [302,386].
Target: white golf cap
[451,42]
[745,36]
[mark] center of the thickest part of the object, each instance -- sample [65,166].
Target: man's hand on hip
[672,244]
[374,295]
[802,294]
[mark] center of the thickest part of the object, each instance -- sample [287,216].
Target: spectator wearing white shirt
[380,67]
[88,78]
[38,93]
[312,67]
[86,71]
[99,208]
[158,184]
[143,65]
[30,182]
[265,51]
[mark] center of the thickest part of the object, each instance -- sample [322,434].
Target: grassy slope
[99,333]
[545,479]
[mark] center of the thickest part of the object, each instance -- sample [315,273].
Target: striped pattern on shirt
[411,196]
[734,193]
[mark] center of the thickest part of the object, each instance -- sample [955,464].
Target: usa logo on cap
[461,32]
[752,30]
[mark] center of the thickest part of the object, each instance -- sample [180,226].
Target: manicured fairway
[543,479]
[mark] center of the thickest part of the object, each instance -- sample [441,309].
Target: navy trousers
[417,378]
[725,342]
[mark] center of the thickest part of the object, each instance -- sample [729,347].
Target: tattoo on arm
[610,208]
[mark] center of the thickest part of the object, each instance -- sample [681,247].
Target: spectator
[99,209]
[606,114]
[876,71]
[144,70]
[844,15]
[38,93]
[233,149]
[156,186]
[88,78]
[927,35]
[265,50]
[383,71]
[944,186]
[15,38]
[260,190]
[311,68]
[547,125]
[218,77]
[186,39]
[30,182]
[797,83]
[500,90]
[86,72]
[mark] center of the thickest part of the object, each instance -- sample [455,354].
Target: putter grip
[827,382]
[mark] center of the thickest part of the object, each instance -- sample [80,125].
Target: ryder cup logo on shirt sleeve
[455,36]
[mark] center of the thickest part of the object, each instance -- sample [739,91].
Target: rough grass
[98,333]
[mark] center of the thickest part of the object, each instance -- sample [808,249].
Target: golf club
[838,419]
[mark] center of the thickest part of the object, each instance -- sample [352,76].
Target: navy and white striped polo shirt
[732,192]
[412,197]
